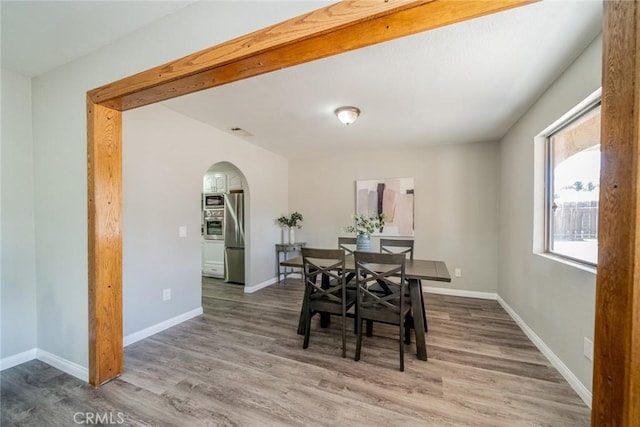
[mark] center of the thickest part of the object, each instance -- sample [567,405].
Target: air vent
[240,132]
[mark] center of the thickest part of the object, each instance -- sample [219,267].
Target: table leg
[278,265]
[418,317]
[325,318]
[284,268]
[424,310]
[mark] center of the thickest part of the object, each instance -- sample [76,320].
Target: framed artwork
[391,196]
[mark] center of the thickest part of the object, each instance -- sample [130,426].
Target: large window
[573,187]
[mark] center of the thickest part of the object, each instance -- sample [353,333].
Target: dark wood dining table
[416,270]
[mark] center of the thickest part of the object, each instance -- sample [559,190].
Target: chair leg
[307,330]
[401,346]
[303,310]
[358,339]
[355,321]
[369,328]
[344,335]
[408,320]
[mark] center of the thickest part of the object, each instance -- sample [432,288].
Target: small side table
[285,248]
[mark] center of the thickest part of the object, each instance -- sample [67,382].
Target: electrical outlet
[166,294]
[458,272]
[588,348]
[182,231]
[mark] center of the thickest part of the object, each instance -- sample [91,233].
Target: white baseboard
[460,293]
[17,359]
[255,288]
[573,381]
[64,365]
[159,327]
[81,372]
[57,362]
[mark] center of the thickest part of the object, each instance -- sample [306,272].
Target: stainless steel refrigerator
[234,238]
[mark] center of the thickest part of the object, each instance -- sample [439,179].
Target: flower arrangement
[366,226]
[291,221]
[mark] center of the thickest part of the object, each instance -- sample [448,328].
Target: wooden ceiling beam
[337,28]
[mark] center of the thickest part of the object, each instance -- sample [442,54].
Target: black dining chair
[348,244]
[404,246]
[397,246]
[392,307]
[331,295]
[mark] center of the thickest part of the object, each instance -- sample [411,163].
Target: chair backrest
[397,246]
[387,271]
[329,264]
[348,244]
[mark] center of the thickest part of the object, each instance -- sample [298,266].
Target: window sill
[578,265]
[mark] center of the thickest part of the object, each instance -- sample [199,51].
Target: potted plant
[291,222]
[364,227]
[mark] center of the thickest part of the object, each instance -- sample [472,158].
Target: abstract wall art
[391,196]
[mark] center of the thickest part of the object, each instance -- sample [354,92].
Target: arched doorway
[225,210]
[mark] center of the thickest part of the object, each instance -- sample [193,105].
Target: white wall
[18,285]
[554,299]
[165,157]
[59,132]
[456,203]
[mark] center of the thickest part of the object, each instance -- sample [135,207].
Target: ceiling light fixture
[347,115]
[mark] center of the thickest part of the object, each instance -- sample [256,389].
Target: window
[573,187]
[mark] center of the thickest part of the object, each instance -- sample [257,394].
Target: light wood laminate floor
[242,364]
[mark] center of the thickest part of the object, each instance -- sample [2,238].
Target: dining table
[416,270]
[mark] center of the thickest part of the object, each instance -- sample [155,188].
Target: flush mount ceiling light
[347,115]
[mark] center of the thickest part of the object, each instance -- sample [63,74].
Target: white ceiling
[463,83]
[38,36]
[468,82]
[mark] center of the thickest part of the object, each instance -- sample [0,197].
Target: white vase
[363,243]
[282,233]
[292,235]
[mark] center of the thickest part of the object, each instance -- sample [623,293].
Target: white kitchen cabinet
[213,258]
[234,182]
[215,183]
[220,183]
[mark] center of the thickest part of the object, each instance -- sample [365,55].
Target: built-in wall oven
[213,201]
[213,223]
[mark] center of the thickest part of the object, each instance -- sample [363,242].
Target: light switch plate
[166,294]
[458,272]
[182,231]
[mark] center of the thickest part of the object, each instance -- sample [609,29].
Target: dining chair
[331,295]
[403,246]
[397,246]
[348,244]
[392,307]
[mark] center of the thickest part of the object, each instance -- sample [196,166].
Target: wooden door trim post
[616,366]
[334,29]
[104,169]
